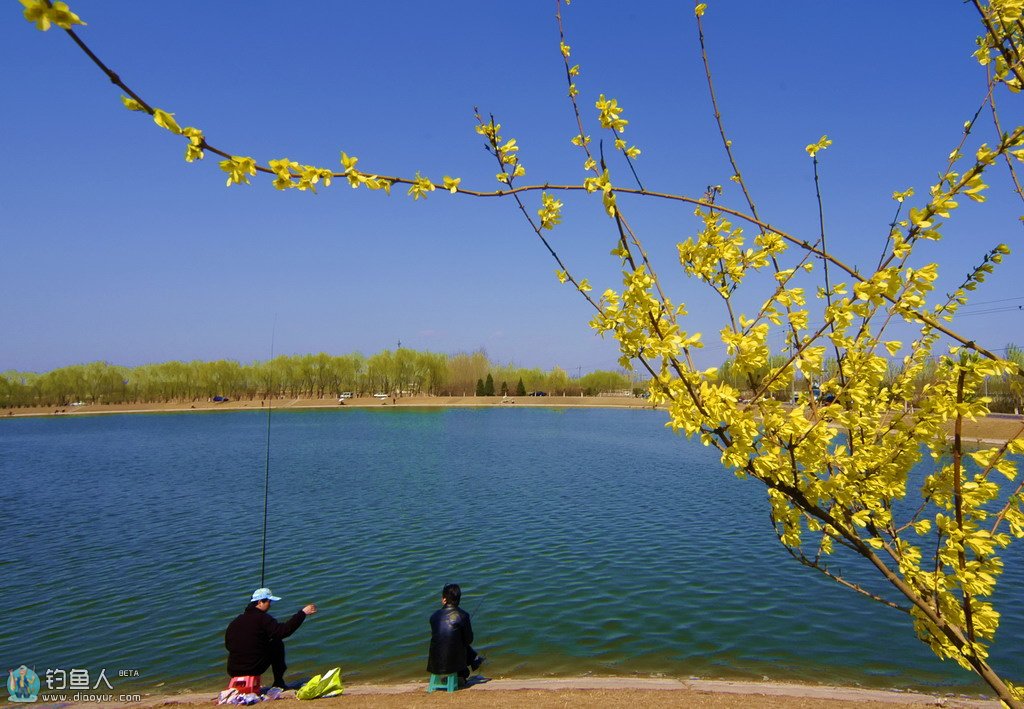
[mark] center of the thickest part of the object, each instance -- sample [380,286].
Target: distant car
[380,396]
[818,396]
[78,403]
[537,393]
[344,395]
[220,398]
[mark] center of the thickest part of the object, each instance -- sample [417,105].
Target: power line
[1011,309]
[989,302]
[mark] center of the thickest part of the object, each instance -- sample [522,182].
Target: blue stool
[448,682]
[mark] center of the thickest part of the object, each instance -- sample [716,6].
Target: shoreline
[588,691]
[365,402]
[993,429]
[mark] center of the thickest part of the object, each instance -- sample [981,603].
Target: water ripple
[587,542]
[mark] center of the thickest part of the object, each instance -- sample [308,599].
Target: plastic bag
[233,696]
[326,685]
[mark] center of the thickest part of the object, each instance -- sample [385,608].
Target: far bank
[991,429]
[329,403]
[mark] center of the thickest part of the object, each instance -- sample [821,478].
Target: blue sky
[115,249]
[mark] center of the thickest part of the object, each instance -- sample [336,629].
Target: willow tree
[836,465]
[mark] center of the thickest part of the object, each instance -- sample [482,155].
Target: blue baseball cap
[263,594]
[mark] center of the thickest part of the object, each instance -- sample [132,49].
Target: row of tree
[401,372]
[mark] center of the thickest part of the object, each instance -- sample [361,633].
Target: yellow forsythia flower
[608,198]
[166,120]
[42,14]
[813,148]
[282,172]
[550,212]
[355,178]
[37,11]
[238,169]
[420,186]
[194,149]
[1009,10]
[699,9]
[348,162]
[376,183]
[131,104]
[610,114]
[61,15]
[452,183]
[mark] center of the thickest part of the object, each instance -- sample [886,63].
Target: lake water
[587,541]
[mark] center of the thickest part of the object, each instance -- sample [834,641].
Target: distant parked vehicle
[344,395]
[78,403]
[380,396]
[537,393]
[219,399]
[816,391]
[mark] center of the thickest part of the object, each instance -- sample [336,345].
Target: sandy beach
[332,403]
[611,692]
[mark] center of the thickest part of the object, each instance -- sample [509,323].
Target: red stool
[247,684]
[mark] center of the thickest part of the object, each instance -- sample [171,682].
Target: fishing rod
[477,606]
[479,658]
[266,477]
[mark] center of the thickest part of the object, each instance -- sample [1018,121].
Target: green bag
[326,685]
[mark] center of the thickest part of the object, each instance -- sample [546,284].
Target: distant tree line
[401,372]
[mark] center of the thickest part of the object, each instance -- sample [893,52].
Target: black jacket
[451,634]
[248,639]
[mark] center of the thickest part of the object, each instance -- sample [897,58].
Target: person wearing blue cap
[255,640]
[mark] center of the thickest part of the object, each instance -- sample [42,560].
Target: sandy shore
[301,403]
[996,428]
[611,692]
